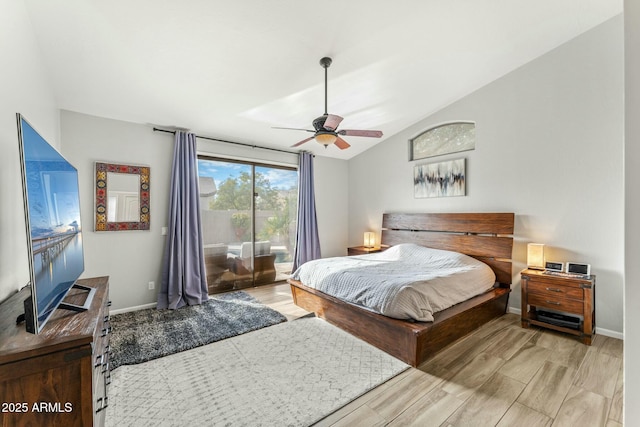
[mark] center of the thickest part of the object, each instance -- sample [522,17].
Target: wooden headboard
[484,236]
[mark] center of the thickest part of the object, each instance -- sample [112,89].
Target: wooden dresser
[568,294]
[58,377]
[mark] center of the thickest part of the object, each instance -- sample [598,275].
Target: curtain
[307,240]
[184,280]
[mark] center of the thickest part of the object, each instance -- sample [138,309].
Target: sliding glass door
[248,220]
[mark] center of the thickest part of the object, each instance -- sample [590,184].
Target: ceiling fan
[325,127]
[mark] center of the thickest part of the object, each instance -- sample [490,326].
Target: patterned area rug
[291,374]
[143,335]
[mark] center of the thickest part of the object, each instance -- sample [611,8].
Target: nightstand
[361,250]
[564,294]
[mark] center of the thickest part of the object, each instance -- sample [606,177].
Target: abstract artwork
[443,179]
[443,139]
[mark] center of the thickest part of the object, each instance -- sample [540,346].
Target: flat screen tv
[53,229]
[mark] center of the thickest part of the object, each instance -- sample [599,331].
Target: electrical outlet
[152,285]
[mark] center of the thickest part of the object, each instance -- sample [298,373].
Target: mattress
[406,281]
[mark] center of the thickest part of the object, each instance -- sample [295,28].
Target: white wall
[632,212]
[25,89]
[133,258]
[549,147]
[332,201]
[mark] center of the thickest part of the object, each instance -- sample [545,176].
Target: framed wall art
[443,139]
[442,179]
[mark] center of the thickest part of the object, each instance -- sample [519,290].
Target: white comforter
[406,281]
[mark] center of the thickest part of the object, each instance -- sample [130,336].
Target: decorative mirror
[122,197]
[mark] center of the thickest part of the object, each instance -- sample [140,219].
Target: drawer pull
[106,331]
[102,404]
[105,368]
[99,361]
[553,302]
[554,289]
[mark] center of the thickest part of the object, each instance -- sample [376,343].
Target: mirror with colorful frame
[122,197]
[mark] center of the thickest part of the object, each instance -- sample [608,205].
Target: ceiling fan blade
[341,143]
[332,122]
[356,132]
[303,141]
[306,130]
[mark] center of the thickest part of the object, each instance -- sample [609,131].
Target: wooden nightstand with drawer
[362,250]
[562,294]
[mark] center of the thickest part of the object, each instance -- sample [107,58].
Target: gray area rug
[291,374]
[143,335]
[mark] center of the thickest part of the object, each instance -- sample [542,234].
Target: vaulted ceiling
[234,69]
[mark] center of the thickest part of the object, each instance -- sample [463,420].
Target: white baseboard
[609,333]
[135,308]
[599,331]
[514,310]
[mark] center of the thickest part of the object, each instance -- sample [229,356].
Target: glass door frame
[254,195]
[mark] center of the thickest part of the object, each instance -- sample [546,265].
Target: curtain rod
[230,142]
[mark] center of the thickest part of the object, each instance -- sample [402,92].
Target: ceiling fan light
[326,139]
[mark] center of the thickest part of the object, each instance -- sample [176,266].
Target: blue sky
[279,178]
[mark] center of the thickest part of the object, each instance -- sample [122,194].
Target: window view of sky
[280,179]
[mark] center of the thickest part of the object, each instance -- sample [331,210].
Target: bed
[484,236]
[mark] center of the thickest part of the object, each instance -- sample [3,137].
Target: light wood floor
[499,375]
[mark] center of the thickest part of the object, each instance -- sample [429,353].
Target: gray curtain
[184,280]
[307,240]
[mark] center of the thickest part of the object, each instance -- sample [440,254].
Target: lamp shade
[369,239]
[326,138]
[535,256]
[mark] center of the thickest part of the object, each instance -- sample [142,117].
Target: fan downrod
[325,62]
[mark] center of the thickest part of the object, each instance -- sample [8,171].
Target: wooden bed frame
[484,236]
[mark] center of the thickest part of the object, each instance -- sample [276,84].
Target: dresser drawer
[553,291]
[557,303]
